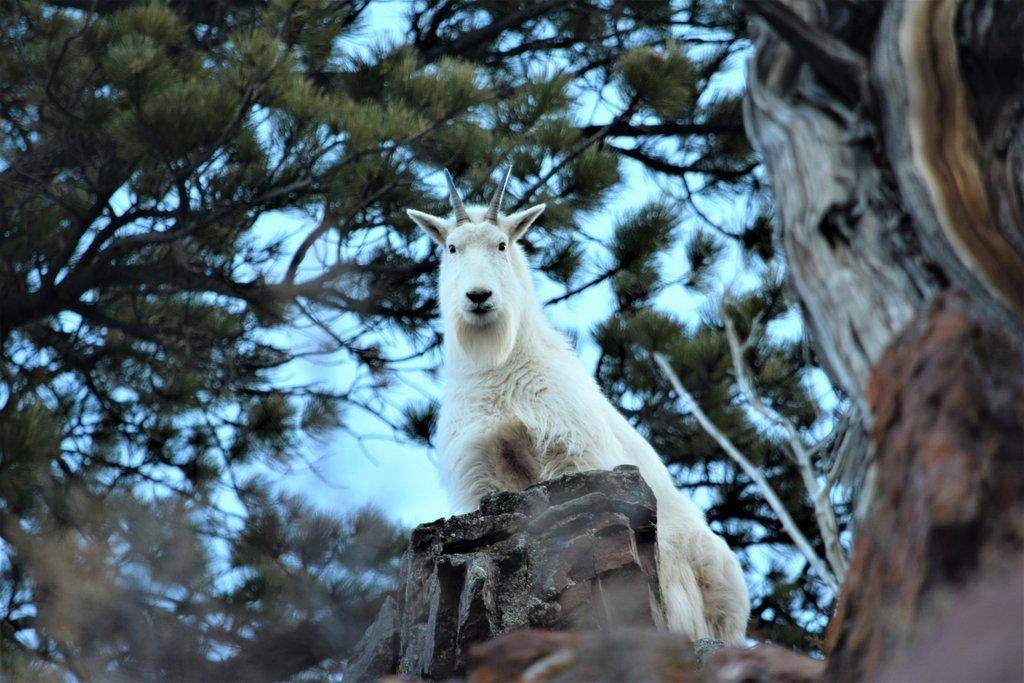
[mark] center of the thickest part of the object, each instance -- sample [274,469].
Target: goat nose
[478,296]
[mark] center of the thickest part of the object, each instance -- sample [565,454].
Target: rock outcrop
[574,553]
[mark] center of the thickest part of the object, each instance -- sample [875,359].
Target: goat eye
[501,246]
[451,248]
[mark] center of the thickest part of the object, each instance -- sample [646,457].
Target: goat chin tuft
[486,346]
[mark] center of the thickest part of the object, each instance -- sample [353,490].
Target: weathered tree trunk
[893,139]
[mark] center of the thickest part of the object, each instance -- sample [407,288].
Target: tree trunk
[893,140]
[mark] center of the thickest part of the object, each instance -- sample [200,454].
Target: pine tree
[149,149]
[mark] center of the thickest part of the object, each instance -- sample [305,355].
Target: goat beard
[487,345]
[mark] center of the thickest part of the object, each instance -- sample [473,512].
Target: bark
[888,187]
[893,141]
[948,402]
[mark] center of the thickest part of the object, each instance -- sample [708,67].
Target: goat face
[484,280]
[478,283]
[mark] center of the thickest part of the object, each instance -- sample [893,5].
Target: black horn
[453,196]
[499,195]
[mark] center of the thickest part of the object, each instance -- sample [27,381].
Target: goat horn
[499,195]
[453,196]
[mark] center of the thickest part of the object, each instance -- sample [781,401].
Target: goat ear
[434,226]
[519,222]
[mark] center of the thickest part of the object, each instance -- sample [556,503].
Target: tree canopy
[147,149]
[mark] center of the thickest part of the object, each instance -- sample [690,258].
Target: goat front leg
[501,458]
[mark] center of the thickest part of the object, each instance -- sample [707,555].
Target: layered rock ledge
[574,553]
[557,583]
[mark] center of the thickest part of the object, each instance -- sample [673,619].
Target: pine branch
[593,282]
[662,166]
[573,153]
[468,42]
[625,129]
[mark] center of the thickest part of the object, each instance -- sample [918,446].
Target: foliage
[151,154]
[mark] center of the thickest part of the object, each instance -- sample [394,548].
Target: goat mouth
[479,315]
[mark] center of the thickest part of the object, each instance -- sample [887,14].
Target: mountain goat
[519,407]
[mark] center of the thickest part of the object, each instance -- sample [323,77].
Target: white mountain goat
[519,408]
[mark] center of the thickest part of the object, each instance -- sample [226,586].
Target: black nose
[478,296]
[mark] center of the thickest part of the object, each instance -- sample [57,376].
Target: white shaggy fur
[519,408]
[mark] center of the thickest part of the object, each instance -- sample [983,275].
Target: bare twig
[801,542]
[824,515]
